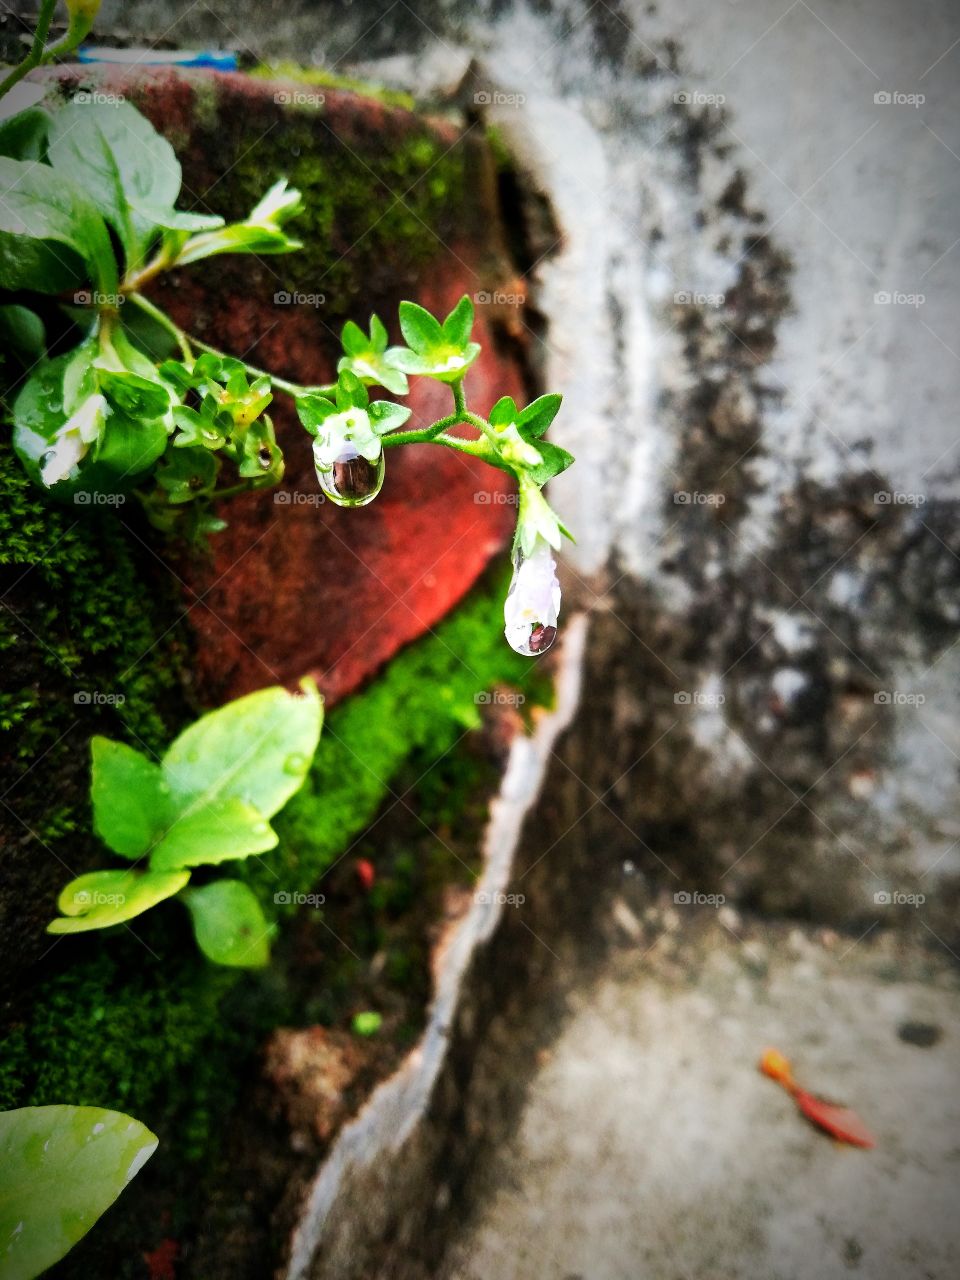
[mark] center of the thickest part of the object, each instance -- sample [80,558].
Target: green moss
[381,201]
[138,1020]
[330,80]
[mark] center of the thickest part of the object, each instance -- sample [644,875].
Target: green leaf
[129,801]
[353,338]
[257,749]
[22,136]
[229,924]
[387,416]
[459,323]
[129,446]
[134,395]
[443,364]
[313,411]
[504,412]
[104,898]
[213,833]
[236,238]
[378,335]
[367,1023]
[186,474]
[555,460]
[46,225]
[22,332]
[61,1167]
[537,416]
[421,331]
[351,393]
[114,154]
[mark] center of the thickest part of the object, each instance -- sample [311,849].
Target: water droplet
[350,480]
[533,603]
[265,458]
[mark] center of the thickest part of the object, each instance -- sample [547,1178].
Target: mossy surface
[331,80]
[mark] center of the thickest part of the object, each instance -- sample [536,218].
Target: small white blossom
[350,427]
[532,605]
[279,203]
[72,441]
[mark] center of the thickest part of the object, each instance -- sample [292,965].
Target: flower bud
[532,605]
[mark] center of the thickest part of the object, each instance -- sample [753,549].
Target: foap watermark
[295,498]
[293,898]
[499,298]
[97,98]
[897,498]
[694,298]
[496,498]
[895,898]
[299,98]
[499,698]
[897,298]
[897,698]
[284,299]
[486,899]
[94,298]
[92,498]
[85,898]
[893,98]
[694,898]
[97,698]
[694,498]
[496,98]
[697,98]
[698,698]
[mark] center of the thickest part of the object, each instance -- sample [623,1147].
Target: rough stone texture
[292,586]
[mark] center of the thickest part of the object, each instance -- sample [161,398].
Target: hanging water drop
[532,605]
[350,480]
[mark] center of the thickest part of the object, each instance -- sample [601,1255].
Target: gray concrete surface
[652,1149]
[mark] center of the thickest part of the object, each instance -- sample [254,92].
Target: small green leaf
[185,474]
[22,332]
[353,338]
[131,394]
[378,335]
[386,416]
[504,412]
[537,416]
[213,833]
[459,323]
[313,411]
[351,393]
[61,1167]
[421,331]
[257,749]
[229,924]
[367,1023]
[22,136]
[236,238]
[129,802]
[104,898]
[443,364]
[554,461]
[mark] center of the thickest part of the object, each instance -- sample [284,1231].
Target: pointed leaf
[387,416]
[459,323]
[213,833]
[104,898]
[353,338]
[61,1167]
[840,1122]
[129,804]
[229,924]
[257,749]
[537,416]
[504,412]
[421,331]
[554,461]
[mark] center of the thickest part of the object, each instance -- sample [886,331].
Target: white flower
[350,427]
[279,203]
[532,605]
[72,441]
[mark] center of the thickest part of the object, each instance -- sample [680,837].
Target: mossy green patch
[331,80]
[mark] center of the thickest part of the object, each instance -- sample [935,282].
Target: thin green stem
[35,56]
[294,389]
[459,397]
[161,317]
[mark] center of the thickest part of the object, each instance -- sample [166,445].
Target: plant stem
[165,322]
[35,56]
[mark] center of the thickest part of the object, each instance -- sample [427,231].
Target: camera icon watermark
[694,298]
[95,97]
[293,898]
[891,98]
[484,898]
[897,298]
[298,98]
[295,498]
[94,298]
[895,498]
[499,298]
[694,898]
[495,98]
[97,698]
[87,898]
[496,498]
[688,498]
[499,698]
[895,898]
[698,698]
[92,498]
[897,698]
[284,299]
[696,98]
